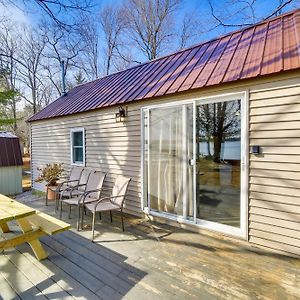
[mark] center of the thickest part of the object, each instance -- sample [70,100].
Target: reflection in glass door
[218,161]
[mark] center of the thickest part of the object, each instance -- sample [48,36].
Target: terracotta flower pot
[50,192]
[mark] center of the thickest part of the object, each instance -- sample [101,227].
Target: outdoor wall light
[255,149]
[121,115]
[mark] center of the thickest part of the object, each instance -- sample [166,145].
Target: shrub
[50,173]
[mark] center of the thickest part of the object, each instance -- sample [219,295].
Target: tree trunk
[217,148]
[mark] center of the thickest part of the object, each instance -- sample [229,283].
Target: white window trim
[79,129]
[241,232]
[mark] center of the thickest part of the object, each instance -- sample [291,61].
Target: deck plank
[6,291]
[157,261]
[44,283]
[92,268]
[108,254]
[94,257]
[75,271]
[23,287]
[63,279]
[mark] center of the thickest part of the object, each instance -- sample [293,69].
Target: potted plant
[50,174]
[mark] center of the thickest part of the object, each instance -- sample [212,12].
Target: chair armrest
[63,189]
[106,189]
[67,181]
[109,198]
[85,194]
[75,187]
[75,180]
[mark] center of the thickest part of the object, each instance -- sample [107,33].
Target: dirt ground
[26,178]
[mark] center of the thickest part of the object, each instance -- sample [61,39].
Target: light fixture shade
[121,115]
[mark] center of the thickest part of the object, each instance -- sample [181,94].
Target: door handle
[191,162]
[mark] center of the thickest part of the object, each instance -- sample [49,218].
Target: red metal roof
[265,48]
[10,150]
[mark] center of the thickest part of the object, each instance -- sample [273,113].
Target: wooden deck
[148,261]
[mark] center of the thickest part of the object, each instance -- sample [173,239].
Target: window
[78,146]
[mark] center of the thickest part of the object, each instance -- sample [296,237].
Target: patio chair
[76,187]
[113,202]
[91,193]
[65,182]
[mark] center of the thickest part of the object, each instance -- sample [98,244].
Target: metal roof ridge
[79,98]
[197,45]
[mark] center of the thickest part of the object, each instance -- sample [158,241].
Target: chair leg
[60,214]
[55,207]
[55,202]
[70,211]
[122,221]
[93,226]
[58,199]
[100,215]
[110,216]
[46,196]
[78,218]
[82,209]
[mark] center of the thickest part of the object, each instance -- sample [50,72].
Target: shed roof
[10,150]
[268,47]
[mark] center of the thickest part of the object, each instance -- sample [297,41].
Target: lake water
[229,150]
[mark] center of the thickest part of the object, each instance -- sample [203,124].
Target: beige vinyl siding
[274,189]
[274,176]
[111,147]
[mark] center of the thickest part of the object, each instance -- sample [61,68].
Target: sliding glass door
[218,173]
[193,160]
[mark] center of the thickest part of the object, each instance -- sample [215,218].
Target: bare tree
[62,49]
[190,29]
[113,23]
[246,10]
[31,71]
[89,32]
[56,10]
[218,122]
[151,25]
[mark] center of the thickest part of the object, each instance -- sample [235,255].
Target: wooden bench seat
[47,224]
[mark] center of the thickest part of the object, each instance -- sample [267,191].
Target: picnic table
[33,224]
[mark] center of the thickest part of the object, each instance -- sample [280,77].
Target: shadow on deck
[148,261]
[75,268]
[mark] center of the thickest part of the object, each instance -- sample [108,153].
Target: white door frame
[241,232]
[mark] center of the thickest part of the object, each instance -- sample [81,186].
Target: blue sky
[202,10]
[199,7]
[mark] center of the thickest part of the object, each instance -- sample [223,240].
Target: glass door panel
[170,149]
[218,162]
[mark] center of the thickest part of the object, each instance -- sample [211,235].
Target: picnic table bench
[33,224]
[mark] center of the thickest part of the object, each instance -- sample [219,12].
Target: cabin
[10,164]
[210,135]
